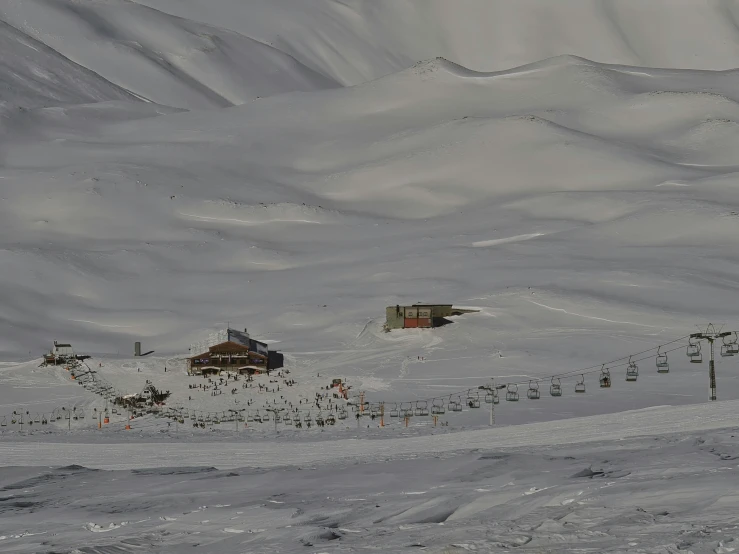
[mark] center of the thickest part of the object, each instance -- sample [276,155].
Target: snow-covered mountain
[567,169]
[149,194]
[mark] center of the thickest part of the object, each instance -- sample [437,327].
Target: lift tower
[711,335]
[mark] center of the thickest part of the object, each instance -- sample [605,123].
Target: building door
[424,317]
[411,318]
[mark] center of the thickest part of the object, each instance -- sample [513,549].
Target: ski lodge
[418,316]
[232,350]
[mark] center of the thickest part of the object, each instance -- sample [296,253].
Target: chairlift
[343,415]
[319,420]
[473,399]
[457,404]
[555,389]
[422,408]
[394,412]
[307,418]
[693,349]
[580,385]
[44,421]
[697,359]
[437,406]
[533,392]
[374,411]
[661,361]
[732,347]
[406,409]
[330,419]
[4,422]
[278,418]
[511,394]
[605,377]
[632,371]
[296,419]
[288,420]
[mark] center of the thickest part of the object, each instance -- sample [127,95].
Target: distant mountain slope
[352,41]
[163,58]
[33,75]
[435,182]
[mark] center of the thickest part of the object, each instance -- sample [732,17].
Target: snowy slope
[161,58]
[353,41]
[655,495]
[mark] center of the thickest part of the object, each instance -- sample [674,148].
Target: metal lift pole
[711,335]
[712,373]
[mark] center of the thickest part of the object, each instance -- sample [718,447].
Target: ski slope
[235,453]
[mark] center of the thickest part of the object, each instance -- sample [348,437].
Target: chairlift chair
[307,418]
[278,418]
[555,389]
[394,412]
[437,406]
[296,419]
[661,361]
[422,408]
[288,420]
[406,409]
[533,392]
[319,420]
[342,414]
[330,419]
[473,400]
[605,377]
[580,385]
[693,349]
[733,346]
[457,404]
[632,371]
[4,422]
[511,394]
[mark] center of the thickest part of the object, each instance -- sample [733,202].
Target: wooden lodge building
[234,351]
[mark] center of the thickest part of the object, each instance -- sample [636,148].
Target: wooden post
[436,418]
[361,403]
[382,414]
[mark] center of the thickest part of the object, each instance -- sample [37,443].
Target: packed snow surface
[568,170]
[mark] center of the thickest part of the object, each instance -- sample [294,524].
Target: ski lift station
[60,354]
[231,350]
[423,316]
